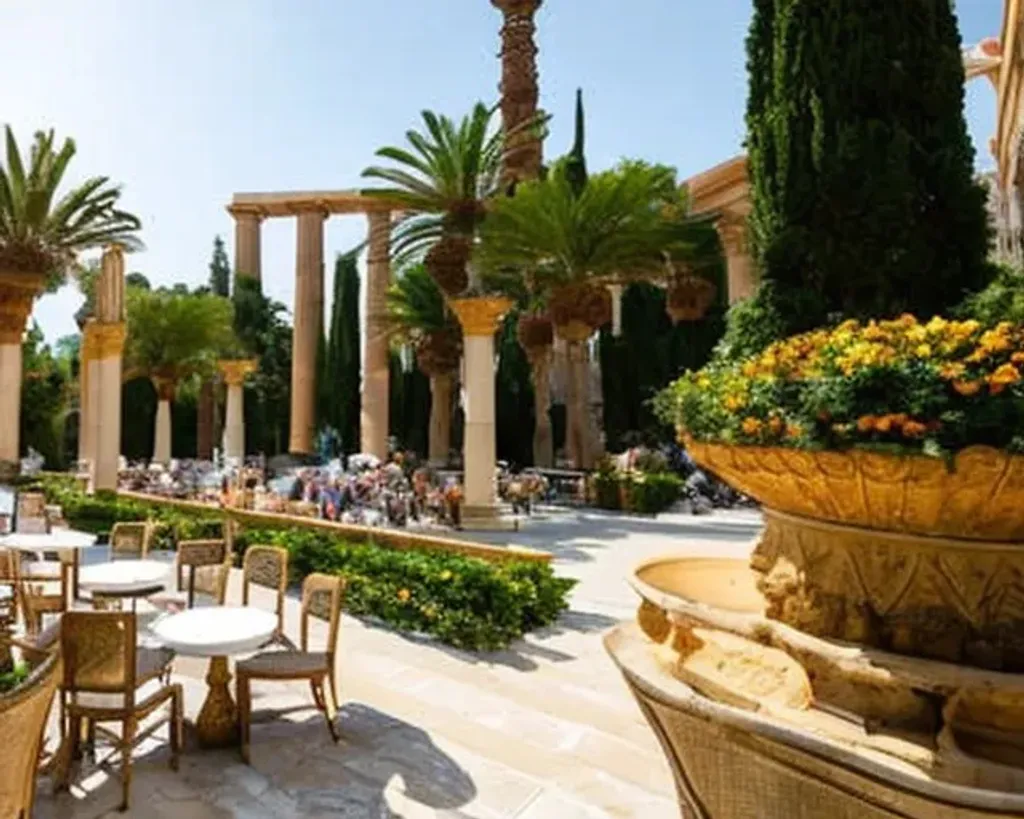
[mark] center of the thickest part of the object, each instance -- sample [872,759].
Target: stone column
[105,404]
[479,318]
[741,281]
[17,293]
[374,411]
[309,319]
[234,373]
[247,241]
[165,389]
[439,437]
[86,423]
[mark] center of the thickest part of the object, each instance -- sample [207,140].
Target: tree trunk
[543,440]
[577,423]
[519,92]
[441,387]
[204,428]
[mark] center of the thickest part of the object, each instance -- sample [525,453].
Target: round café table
[216,632]
[125,579]
[68,543]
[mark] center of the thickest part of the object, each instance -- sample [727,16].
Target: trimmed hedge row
[463,601]
[645,493]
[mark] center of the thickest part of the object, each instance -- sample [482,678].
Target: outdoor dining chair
[108,678]
[201,566]
[267,566]
[321,598]
[130,540]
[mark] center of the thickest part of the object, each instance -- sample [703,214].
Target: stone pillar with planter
[166,388]
[18,291]
[480,318]
[234,373]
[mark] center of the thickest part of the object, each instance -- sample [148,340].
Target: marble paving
[543,730]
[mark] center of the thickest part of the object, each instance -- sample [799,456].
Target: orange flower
[751,426]
[967,387]
[866,423]
[1006,374]
[884,424]
[914,429]
[775,424]
[404,595]
[1017,358]
[794,430]
[951,371]
[734,402]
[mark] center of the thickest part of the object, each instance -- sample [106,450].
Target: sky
[185,102]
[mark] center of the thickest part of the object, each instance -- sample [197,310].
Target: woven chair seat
[150,665]
[284,664]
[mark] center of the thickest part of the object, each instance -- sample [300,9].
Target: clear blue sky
[188,101]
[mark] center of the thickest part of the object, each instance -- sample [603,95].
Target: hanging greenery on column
[861,167]
[514,410]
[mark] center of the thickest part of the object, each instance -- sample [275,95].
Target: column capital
[18,293]
[236,370]
[165,386]
[104,339]
[732,229]
[247,212]
[313,209]
[480,316]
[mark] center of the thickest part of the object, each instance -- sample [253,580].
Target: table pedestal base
[217,724]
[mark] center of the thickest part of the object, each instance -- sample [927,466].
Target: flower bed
[898,385]
[463,601]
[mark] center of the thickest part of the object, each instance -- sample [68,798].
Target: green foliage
[343,354]
[1002,300]
[860,164]
[645,493]
[41,233]
[10,680]
[649,353]
[575,167]
[175,334]
[751,325]
[463,601]
[220,270]
[408,406]
[514,405]
[264,333]
[45,399]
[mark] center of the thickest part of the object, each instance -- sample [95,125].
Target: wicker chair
[109,678]
[321,598]
[201,566]
[130,540]
[267,566]
[41,593]
[23,714]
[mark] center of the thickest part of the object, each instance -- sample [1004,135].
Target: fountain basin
[761,720]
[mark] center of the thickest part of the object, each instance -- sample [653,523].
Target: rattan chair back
[194,555]
[23,715]
[322,595]
[130,539]
[99,653]
[266,566]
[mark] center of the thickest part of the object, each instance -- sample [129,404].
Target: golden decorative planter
[905,553]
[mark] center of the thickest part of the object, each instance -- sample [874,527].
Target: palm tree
[570,242]
[444,180]
[41,235]
[417,314]
[174,335]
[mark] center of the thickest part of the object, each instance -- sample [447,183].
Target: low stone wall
[392,538]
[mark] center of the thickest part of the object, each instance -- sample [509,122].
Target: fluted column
[234,373]
[309,319]
[479,318]
[439,438]
[247,242]
[86,427]
[105,369]
[741,280]
[374,412]
[17,293]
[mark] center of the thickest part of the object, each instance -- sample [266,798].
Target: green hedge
[463,601]
[646,493]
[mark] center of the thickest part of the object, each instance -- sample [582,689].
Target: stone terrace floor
[546,729]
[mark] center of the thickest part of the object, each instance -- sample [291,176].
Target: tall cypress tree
[220,269]
[861,168]
[342,356]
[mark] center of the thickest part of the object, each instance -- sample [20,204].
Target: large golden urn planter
[906,553]
[761,721]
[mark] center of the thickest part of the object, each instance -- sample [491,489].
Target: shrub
[654,492]
[902,385]
[463,601]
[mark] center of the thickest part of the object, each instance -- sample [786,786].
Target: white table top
[216,631]
[124,576]
[56,541]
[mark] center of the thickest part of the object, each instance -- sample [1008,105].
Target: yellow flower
[446,575]
[1006,374]
[751,426]
[952,371]
[923,350]
[734,403]
[703,382]
[404,595]
[967,387]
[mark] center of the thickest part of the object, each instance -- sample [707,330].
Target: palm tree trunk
[577,425]
[543,440]
[441,387]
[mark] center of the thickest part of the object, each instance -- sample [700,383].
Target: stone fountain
[866,662]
